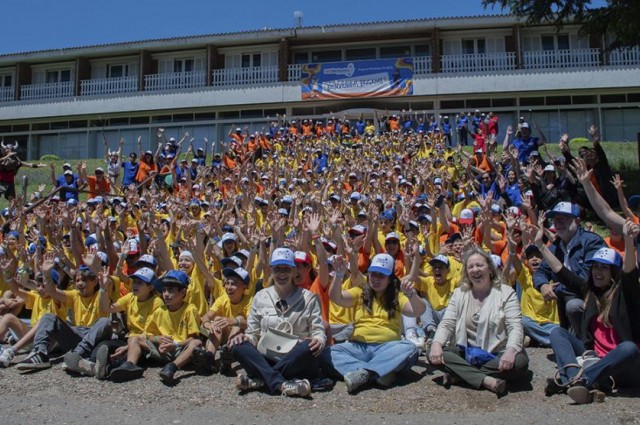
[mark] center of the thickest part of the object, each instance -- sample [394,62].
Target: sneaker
[582,395]
[411,335]
[431,334]
[35,361]
[226,359]
[102,361]
[204,361]
[6,357]
[127,371]
[167,374]
[75,363]
[387,380]
[527,341]
[245,383]
[356,379]
[296,388]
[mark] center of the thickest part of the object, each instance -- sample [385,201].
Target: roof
[264,36]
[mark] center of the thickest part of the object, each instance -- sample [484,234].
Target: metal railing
[46,91]
[480,62]
[175,80]
[108,86]
[245,76]
[625,56]
[7,94]
[578,58]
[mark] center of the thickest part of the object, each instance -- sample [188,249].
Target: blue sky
[45,24]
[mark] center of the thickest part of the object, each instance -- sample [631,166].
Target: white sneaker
[7,357]
[411,335]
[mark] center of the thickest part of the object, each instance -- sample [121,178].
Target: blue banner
[367,78]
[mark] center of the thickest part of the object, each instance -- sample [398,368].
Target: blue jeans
[298,363]
[51,329]
[429,320]
[622,363]
[381,359]
[538,331]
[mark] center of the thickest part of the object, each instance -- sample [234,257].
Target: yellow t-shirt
[196,291]
[138,313]
[180,325]
[84,311]
[376,327]
[437,295]
[341,315]
[532,303]
[223,307]
[40,306]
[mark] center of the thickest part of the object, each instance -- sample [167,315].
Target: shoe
[35,361]
[296,388]
[75,363]
[582,395]
[356,379]
[102,361]
[204,361]
[411,335]
[431,333]
[551,387]
[499,387]
[7,357]
[226,360]
[167,374]
[245,383]
[527,341]
[387,380]
[127,371]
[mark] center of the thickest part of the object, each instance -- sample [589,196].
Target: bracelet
[237,322]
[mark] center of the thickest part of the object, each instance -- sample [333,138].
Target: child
[228,315]
[171,336]
[138,306]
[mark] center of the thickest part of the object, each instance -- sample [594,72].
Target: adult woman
[610,327]
[280,302]
[375,351]
[484,320]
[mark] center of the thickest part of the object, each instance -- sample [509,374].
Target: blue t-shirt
[462,121]
[66,194]
[525,147]
[360,126]
[129,174]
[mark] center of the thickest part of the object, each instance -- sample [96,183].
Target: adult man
[130,170]
[572,246]
[526,144]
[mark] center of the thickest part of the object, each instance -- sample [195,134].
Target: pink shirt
[604,339]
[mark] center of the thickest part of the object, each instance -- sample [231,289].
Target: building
[66,101]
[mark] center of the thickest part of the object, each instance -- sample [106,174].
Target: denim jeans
[538,331]
[52,330]
[298,363]
[381,359]
[622,363]
[428,320]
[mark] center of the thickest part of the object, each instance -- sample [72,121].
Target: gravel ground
[53,396]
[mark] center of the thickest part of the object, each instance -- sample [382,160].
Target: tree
[619,18]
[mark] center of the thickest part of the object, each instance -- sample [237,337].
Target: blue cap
[564,208]
[634,201]
[174,277]
[606,256]
[382,263]
[282,257]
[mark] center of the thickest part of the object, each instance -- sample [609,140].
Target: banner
[367,78]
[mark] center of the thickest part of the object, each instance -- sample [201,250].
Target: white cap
[382,263]
[145,274]
[282,256]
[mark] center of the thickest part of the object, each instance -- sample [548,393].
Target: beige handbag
[277,342]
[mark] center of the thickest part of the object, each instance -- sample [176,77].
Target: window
[183,65]
[474,46]
[117,71]
[423,50]
[251,60]
[6,80]
[59,76]
[327,56]
[300,58]
[393,52]
[555,42]
[361,54]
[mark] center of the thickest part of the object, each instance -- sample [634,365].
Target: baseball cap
[606,256]
[146,260]
[68,173]
[495,208]
[358,230]
[282,257]
[440,259]
[145,274]
[550,168]
[301,257]
[174,277]
[497,261]
[466,216]
[355,196]
[564,208]
[383,264]
[231,262]
[392,236]
[524,125]
[238,272]
[634,201]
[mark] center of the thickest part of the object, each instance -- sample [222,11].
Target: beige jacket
[499,325]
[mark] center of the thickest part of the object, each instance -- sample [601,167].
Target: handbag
[277,342]
[476,356]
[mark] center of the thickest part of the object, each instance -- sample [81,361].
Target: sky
[30,25]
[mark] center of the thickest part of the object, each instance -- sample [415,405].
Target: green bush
[578,140]
[50,158]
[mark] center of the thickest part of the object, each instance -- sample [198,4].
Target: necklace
[477,306]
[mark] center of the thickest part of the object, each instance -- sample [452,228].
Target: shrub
[50,158]
[579,140]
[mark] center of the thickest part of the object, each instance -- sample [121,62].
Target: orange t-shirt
[98,188]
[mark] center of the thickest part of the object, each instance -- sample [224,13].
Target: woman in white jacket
[483,325]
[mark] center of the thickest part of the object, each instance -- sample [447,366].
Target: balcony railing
[7,94]
[578,58]
[294,72]
[422,65]
[480,62]
[46,91]
[108,86]
[245,76]
[625,56]
[175,80]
